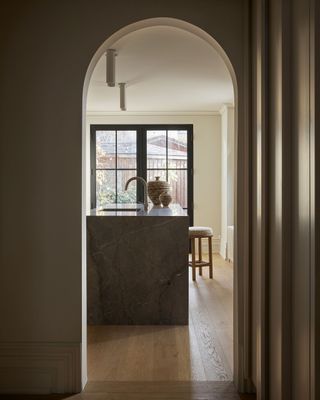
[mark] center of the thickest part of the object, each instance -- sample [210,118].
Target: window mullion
[141,160]
[167,162]
[93,168]
[144,152]
[116,172]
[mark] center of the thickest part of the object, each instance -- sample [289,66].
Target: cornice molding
[225,107]
[150,113]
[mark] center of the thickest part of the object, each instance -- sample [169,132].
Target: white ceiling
[166,69]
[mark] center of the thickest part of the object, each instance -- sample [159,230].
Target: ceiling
[166,69]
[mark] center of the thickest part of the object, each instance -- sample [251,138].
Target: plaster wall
[227,174]
[46,48]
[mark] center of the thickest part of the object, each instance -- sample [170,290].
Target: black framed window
[119,152]
[114,154]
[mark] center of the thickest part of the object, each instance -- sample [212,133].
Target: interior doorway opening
[214,360]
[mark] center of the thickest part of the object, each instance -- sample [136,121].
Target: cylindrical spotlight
[111,67]
[122,87]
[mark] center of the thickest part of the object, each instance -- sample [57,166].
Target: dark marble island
[137,269]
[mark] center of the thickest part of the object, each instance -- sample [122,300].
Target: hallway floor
[117,391]
[166,362]
[201,351]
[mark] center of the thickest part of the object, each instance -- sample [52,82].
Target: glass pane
[129,196]
[127,149]
[106,149]
[179,187]
[177,149]
[105,188]
[151,175]
[156,149]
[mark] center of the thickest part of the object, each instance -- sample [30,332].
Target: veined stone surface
[137,270]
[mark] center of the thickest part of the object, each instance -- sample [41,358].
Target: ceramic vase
[165,199]
[155,188]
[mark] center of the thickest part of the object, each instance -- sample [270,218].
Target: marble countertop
[137,210]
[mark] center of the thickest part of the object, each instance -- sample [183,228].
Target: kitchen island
[137,265]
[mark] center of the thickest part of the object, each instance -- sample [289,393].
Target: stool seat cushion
[204,231]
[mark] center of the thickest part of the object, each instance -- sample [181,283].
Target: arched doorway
[240,301]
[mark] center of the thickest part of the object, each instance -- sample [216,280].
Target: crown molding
[224,107]
[150,113]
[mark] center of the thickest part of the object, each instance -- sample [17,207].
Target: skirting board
[40,368]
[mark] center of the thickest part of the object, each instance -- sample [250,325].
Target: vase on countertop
[155,188]
[165,199]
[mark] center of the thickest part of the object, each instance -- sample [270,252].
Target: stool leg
[210,257]
[200,255]
[193,254]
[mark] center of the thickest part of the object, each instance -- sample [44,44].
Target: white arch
[146,23]
[154,22]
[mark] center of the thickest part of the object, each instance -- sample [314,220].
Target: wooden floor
[166,363]
[201,351]
[147,391]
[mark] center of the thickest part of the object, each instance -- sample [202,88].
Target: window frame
[141,144]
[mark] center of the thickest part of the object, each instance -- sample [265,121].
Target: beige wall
[46,48]
[227,174]
[207,159]
[41,150]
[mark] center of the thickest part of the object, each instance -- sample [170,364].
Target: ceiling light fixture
[111,67]
[122,87]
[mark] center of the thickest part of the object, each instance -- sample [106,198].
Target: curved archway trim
[241,275]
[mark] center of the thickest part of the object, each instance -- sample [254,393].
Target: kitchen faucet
[145,191]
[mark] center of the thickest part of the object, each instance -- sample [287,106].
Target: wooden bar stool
[200,232]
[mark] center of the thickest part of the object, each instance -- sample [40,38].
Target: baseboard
[40,368]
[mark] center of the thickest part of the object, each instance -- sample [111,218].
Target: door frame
[241,325]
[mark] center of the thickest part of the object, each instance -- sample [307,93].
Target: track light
[122,87]
[111,67]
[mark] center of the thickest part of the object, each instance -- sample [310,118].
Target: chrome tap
[145,192]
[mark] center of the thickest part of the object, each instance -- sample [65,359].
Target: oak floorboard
[192,395]
[178,390]
[166,363]
[139,364]
[211,308]
[211,351]
[225,336]
[108,348]
[165,355]
[196,364]
[202,351]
